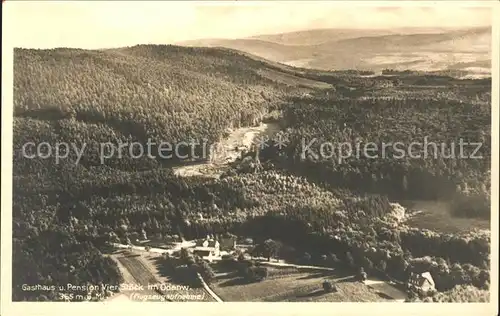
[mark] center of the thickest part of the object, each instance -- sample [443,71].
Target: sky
[101,24]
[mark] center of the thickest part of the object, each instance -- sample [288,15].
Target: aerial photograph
[267,152]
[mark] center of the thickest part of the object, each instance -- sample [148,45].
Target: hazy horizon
[95,25]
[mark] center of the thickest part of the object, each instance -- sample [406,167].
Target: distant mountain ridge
[319,36]
[423,49]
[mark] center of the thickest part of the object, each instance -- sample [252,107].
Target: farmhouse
[422,282]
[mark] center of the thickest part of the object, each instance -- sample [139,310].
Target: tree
[186,257]
[367,263]
[350,259]
[190,260]
[241,256]
[184,254]
[271,248]
[333,260]
[167,260]
[484,279]
[362,276]
[306,258]
[405,183]
[198,259]
[382,265]
[329,286]
[206,272]
[462,294]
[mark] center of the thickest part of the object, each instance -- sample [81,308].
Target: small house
[422,282]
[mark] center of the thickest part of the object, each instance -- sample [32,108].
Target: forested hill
[162,92]
[75,96]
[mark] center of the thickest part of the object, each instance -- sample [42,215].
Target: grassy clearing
[292,80]
[294,287]
[436,216]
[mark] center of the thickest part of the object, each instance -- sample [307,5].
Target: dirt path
[228,150]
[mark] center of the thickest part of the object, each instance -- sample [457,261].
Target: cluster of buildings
[212,248]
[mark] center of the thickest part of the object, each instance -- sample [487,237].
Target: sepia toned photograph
[251,152]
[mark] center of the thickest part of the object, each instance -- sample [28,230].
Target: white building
[207,249]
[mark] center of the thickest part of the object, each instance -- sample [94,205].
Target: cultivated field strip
[141,274]
[138,270]
[144,273]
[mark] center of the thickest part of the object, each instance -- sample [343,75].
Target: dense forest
[437,169]
[64,213]
[161,93]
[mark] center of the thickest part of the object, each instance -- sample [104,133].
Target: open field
[295,287]
[436,216]
[133,273]
[143,270]
[292,80]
